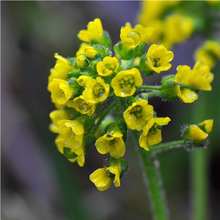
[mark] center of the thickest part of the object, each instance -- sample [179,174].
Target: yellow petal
[186,95]
[115,169]
[101,179]
[102,145]
[118,148]
[208,124]
[196,133]
[162,121]
[155,138]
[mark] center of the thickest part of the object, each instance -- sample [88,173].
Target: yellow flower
[145,32]
[151,134]
[60,90]
[112,143]
[82,106]
[198,79]
[81,61]
[72,132]
[157,27]
[177,28]
[152,10]
[208,53]
[108,66]
[61,68]
[82,80]
[73,155]
[103,177]
[56,117]
[195,135]
[137,115]
[87,50]
[158,58]
[125,81]
[96,90]
[129,38]
[94,32]
[203,71]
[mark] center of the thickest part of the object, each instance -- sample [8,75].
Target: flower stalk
[102,116]
[154,183]
[167,146]
[149,87]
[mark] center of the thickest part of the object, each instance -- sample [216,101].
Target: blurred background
[38,183]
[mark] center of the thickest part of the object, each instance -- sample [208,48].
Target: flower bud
[195,136]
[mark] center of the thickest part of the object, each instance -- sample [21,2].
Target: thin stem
[154,183]
[150,94]
[103,115]
[168,145]
[146,87]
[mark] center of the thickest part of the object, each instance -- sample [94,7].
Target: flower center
[61,93]
[154,128]
[83,106]
[127,81]
[98,90]
[137,111]
[110,66]
[155,62]
[135,36]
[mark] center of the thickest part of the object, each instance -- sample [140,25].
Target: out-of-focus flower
[61,68]
[209,53]
[177,28]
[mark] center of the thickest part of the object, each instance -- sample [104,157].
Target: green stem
[199,184]
[150,94]
[168,145]
[199,169]
[103,115]
[146,87]
[154,183]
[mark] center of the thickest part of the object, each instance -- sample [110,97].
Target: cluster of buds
[98,81]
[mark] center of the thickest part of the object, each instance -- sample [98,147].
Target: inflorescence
[98,81]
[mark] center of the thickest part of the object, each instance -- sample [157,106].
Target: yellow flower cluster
[208,53]
[174,28]
[85,88]
[187,82]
